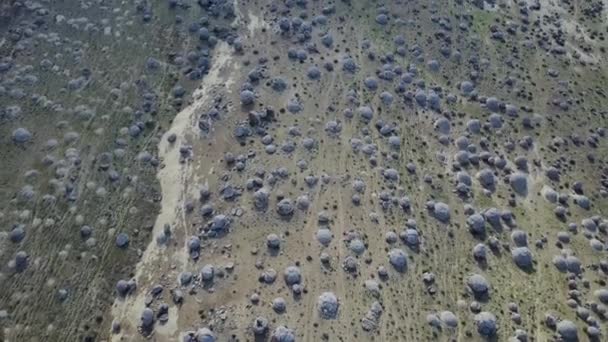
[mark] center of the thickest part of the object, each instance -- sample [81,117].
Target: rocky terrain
[303,170]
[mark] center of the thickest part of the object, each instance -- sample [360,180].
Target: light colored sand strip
[173,178]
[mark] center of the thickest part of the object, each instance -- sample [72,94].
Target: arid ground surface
[293,170]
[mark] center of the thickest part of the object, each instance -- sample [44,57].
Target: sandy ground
[179,181]
[445,249]
[401,132]
[174,178]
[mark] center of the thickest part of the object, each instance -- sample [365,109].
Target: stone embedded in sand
[382,19]
[441,212]
[370,83]
[433,320]
[294,106]
[462,158]
[21,261]
[433,65]
[303,202]
[386,98]
[398,259]
[359,186]
[394,142]
[285,207]
[582,201]
[411,237]
[247,97]
[219,223]
[327,40]
[511,110]
[466,87]
[349,65]
[278,84]
[21,135]
[477,224]
[519,183]
[204,335]
[486,178]
[442,125]
[563,237]
[147,318]
[284,24]
[480,251]
[464,178]
[495,120]
[567,330]
[372,318]
[194,245]
[17,234]
[122,288]
[292,275]
[372,287]
[550,195]
[333,127]
[259,326]
[273,241]
[493,104]
[519,238]
[449,319]
[207,273]
[474,126]
[589,224]
[552,173]
[391,174]
[206,210]
[185,278]
[313,73]
[279,305]
[328,305]
[268,276]
[365,113]
[486,324]
[420,97]
[522,256]
[601,295]
[115,327]
[357,246]
[478,285]
[573,264]
[260,198]
[283,334]
[324,236]
[594,333]
[122,240]
[391,237]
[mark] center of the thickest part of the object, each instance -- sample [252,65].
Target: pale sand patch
[173,178]
[255,23]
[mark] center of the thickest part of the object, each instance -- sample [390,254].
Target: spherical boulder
[21,135]
[247,97]
[398,259]
[204,335]
[285,207]
[478,285]
[567,331]
[441,211]
[519,183]
[449,319]
[292,275]
[486,324]
[328,305]
[522,256]
[283,334]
